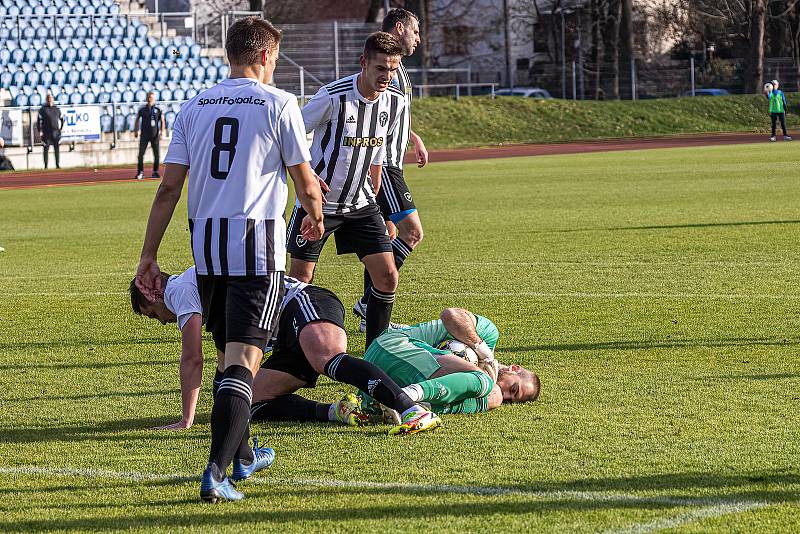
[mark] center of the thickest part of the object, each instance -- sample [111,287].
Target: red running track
[53,177]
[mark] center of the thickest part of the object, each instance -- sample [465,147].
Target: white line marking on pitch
[691,517]
[565,495]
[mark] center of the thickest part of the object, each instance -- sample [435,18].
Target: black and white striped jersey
[237,139]
[397,141]
[350,135]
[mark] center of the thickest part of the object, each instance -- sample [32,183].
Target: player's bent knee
[321,341]
[387,281]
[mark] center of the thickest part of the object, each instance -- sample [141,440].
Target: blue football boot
[262,458]
[213,491]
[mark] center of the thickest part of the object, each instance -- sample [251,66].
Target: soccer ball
[768,87]
[460,350]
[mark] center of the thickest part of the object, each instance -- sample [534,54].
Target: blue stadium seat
[194,51]
[116,96]
[18,56]
[44,55]
[75,98]
[140,95]
[6,78]
[124,75]
[104,31]
[179,94]
[169,118]
[146,53]
[77,9]
[137,74]
[162,74]
[119,123]
[133,53]
[159,53]
[5,33]
[42,33]
[73,76]
[184,51]
[89,98]
[113,9]
[13,89]
[62,99]
[211,73]
[35,100]
[59,76]
[130,121]
[175,74]
[105,123]
[70,55]
[103,97]
[89,9]
[32,78]
[190,93]
[165,95]
[46,77]
[31,54]
[67,32]
[112,75]
[12,10]
[223,72]
[128,96]
[5,56]
[119,31]
[87,75]
[83,53]
[141,31]
[121,53]
[21,100]
[108,53]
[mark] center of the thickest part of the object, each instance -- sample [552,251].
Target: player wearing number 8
[235,143]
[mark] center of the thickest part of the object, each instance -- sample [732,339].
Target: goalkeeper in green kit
[777,108]
[450,384]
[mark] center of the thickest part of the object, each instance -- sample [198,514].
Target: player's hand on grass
[180,425]
[310,230]
[148,279]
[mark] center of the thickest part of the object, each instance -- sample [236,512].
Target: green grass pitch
[655,292]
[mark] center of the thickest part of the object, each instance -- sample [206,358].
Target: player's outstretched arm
[309,193]
[191,372]
[148,274]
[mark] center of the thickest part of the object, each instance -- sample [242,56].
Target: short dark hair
[382,43]
[247,38]
[397,15]
[137,298]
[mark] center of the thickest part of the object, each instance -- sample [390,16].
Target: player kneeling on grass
[438,377]
[311,341]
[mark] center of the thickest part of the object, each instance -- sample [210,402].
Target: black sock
[289,408]
[379,311]
[230,417]
[245,453]
[215,383]
[369,378]
[401,251]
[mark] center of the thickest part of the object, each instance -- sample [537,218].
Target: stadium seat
[42,33]
[32,78]
[191,93]
[73,76]
[119,123]
[44,55]
[194,51]
[21,100]
[133,53]
[130,121]
[146,53]
[89,98]
[87,75]
[112,75]
[103,97]
[105,123]
[179,94]
[175,74]
[31,54]
[46,77]
[6,78]
[18,56]
[62,99]
[108,53]
[57,54]
[165,95]
[5,56]
[83,54]
[70,55]
[169,118]
[162,74]
[128,96]
[59,76]
[211,73]
[75,98]
[116,97]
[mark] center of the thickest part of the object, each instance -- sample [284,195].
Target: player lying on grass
[447,382]
[409,356]
[311,341]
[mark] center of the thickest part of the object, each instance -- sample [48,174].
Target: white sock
[414,391]
[332,413]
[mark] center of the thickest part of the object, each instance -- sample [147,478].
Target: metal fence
[655,79]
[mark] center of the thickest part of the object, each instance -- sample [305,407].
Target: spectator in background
[5,163]
[49,123]
[149,127]
[777,108]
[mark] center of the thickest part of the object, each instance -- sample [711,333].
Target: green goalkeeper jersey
[408,356]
